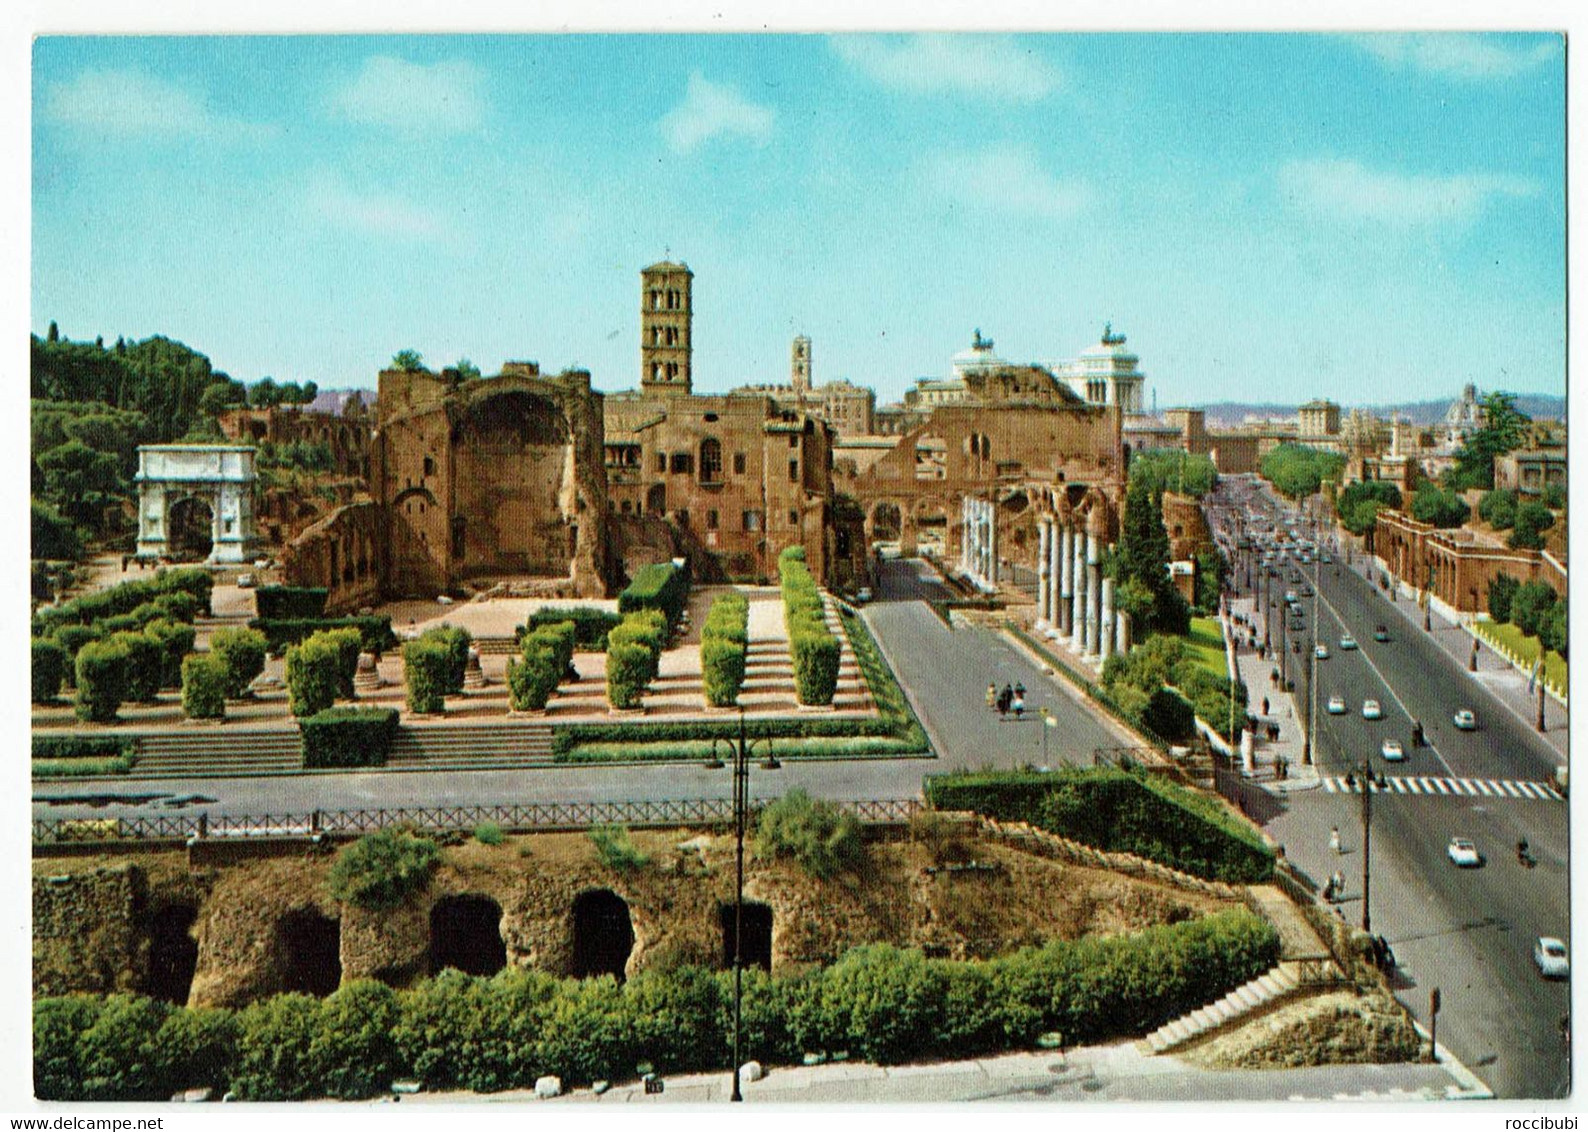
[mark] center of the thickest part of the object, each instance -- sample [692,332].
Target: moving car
[1392,751]
[1321,652]
[1381,633]
[1550,955]
[1348,641]
[1463,853]
[1371,710]
[1336,705]
[1465,720]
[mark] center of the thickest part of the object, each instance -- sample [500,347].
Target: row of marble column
[978,555]
[1075,603]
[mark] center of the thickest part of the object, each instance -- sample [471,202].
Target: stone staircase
[1261,994]
[510,745]
[218,754]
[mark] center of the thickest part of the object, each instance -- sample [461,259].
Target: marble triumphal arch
[195,501]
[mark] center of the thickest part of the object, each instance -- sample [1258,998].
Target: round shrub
[815,652]
[143,665]
[175,639]
[203,688]
[58,1026]
[454,642]
[74,637]
[101,681]
[380,870]
[242,654]
[348,644]
[49,669]
[313,674]
[722,670]
[273,1043]
[352,1053]
[531,681]
[628,671]
[820,837]
[119,1055]
[427,667]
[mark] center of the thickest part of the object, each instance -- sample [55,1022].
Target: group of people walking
[1011,699]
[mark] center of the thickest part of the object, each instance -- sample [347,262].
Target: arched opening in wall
[311,952]
[512,460]
[173,953]
[656,499]
[190,530]
[931,458]
[931,527]
[886,522]
[757,947]
[603,934]
[466,933]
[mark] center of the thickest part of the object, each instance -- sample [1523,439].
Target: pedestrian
[1020,691]
[1338,880]
[1005,697]
[992,696]
[1265,705]
[1019,705]
[1334,838]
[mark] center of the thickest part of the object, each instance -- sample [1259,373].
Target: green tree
[1498,508]
[1555,627]
[1532,520]
[54,537]
[1502,591]
[1297,471]
[1503,430]
[264,393]
[409,361]
[1439,506]
[467,370]
[1530,605]
[1359,503]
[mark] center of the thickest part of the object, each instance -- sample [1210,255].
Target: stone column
[1105,637]
[1078,598]
[1067,581]
[1121,632]
[992,543]
[1094,594]
[1044,537]
[1057,612]
[964,535]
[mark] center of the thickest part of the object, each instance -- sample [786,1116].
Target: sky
[1266,217]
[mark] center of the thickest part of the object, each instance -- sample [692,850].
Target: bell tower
[666,318]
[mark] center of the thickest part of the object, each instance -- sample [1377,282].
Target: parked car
[1465,720]
[1463,853]
[1336,705]
[862,595]
[245,581]
[1348,641]
[1371,710]
[1321,652]
[1392,751]
[1551,956]
[1381,633]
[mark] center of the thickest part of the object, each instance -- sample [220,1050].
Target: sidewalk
[1257,672]
[1498,675]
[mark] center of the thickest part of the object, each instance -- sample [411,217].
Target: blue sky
[1267,217]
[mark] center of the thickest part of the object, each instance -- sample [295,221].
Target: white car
[1392,751]
[1321,652]
[1348,642]
[1371,710]
[1465,720]
[245,581]
[1336,705]
[1463,853]
[1550,955]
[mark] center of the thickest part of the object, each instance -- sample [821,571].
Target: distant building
[1106,374]
[1530,471]
[1464,417]
[847,407]
[1318,424]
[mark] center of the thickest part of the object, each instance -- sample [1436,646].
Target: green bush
[558,638]
[203,688]
[1531,603]
[175,640]
[816,655]
[119,1055]
[722,665]
[348,736]
[352,1054]
[143,665]
[290,603]
[820,837]
[348,644]
[427,671]
[313,674]
[74,637]
[489,833]
[456,642]
[1498,508]
[178,605]
[82,746]
[646,629]
[48,668]
[381,870]
[662,586]
[591,626]
[194,580]
[629,667]
[615,850]
[58,1027]
[242,654]
[280,635]
[531,681]
[273,1062]
[1502,591]
[102,681]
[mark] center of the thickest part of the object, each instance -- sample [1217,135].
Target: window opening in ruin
[311,952]
[603,934]
[753,520]
[430,466]
[173,953]
[738,463]
[683,463]
[710,460]
[656,499]
[460,527]
[625,507]
[886,522]
[711,520]
[466,933]
[793,517]
[756,951]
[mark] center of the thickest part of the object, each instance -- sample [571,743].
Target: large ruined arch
[173,952]
[756,920]
[886,521]
[603,935]
[466,934]
[310,949]
[190,528]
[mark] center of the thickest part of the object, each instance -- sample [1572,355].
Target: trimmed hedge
[314,674]
[562,638]
[203,687]
[814,648]
[1117,811]
[724,645]
[456,642]
[87,609]
[83,746]
[591,626]
[290,603]
[662,586]
[531,681]
[102,680]
[49,663]
[144,657]
[376,632]
[348,644]
[175,641]
[427,670]
[242,653]
[881,1003]
[629,667]
[348,736]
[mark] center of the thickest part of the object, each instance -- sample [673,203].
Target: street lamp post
[740,752]
[1366,775]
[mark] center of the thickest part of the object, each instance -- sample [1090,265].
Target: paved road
[1468,931]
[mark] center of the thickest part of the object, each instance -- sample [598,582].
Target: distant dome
[979,356]
[1111,346]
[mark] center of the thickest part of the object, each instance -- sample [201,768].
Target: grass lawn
[1510,637]
[1206,644]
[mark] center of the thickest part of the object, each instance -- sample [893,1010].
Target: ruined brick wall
[1186,525]
[343,553]
[86,931]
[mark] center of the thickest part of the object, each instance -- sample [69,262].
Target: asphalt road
[1469,932]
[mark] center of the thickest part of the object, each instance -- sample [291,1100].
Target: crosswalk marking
[1460,787]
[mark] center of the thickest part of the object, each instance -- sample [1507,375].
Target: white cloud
[134,102]
[1459,55]
[711,110]
[1007,179]
[1347,190]
[981,66]
[443,97]
[374,213]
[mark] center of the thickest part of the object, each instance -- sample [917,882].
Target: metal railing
[527,817]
